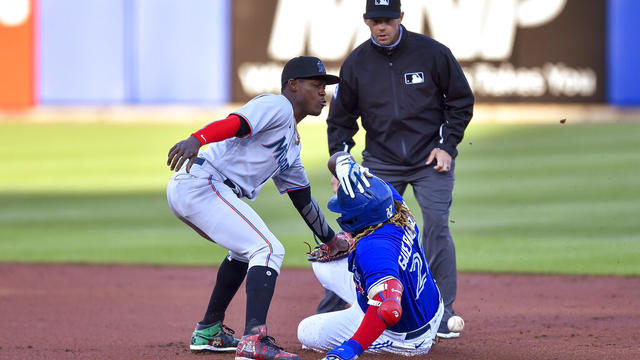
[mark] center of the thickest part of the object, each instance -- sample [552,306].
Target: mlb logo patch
[414,78]
[321,67]
[382,2]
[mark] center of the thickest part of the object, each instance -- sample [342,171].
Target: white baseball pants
[203,201]
[323,332]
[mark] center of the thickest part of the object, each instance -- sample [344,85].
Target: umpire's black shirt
[411,98]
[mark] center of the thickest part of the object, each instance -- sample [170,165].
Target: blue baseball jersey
[396,252]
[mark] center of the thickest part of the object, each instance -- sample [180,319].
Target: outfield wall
[111,52]
[623,52]
[209,53]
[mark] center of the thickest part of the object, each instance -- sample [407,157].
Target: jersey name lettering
[280,149]
[407,244]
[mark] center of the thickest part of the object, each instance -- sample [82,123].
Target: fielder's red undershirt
[219,130]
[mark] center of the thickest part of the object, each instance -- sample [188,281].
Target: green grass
[528,198]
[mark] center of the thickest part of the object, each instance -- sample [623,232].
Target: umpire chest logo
[414,78]
[382,2]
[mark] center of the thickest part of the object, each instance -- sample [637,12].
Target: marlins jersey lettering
[380,256]
[271,150]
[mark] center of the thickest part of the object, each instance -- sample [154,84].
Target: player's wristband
[355,346]
[218,130]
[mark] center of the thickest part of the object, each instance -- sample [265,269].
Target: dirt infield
[136,312]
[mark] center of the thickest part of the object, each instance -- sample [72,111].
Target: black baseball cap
[389,9]
[304,67]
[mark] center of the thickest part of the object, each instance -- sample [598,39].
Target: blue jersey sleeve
[377,257]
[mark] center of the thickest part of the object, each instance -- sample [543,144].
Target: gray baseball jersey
[206,200]
[271,150]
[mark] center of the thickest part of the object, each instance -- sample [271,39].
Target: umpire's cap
[304,67]
[366,209]
[389,9]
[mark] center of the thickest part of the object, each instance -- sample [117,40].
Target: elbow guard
[387,296]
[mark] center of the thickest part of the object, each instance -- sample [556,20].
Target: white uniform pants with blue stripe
[323,332]
[212,209]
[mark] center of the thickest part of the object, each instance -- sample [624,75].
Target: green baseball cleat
[217,337]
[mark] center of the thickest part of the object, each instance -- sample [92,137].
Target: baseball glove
[340,246]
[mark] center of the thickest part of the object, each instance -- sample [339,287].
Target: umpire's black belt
[229,183]
[417,333]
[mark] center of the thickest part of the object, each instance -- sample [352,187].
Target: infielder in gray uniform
[256,143]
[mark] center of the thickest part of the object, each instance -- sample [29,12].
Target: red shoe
[258,345]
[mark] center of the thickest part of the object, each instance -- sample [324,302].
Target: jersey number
[416,266]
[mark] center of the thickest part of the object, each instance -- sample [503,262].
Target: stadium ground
[531,201]
[136,312]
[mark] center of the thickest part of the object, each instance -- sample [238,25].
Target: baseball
[455,323]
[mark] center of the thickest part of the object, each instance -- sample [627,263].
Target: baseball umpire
[414,103]
[256,143]
[396,305]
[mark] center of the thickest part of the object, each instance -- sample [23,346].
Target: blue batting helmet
[372,207]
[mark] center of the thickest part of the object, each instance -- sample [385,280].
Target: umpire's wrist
[451,150]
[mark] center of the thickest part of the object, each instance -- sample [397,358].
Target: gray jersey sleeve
[294,178]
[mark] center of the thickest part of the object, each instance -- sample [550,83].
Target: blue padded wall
[624,52]
[81,51]
[183,51]
[134,51]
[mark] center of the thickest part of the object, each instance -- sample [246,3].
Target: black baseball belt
[229,183]
[418,332]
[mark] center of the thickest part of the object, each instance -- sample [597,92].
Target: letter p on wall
[17,46]
[490,25]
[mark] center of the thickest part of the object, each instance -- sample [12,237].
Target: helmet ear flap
[348,223]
